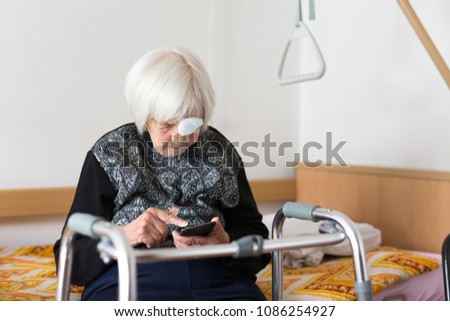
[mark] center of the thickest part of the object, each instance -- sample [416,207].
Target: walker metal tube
[277,257]
[65,266]
[445,252]
[363,288]
[304,241]
[210,251]
[230,249]
[125,259]
[172,254]
[95,227]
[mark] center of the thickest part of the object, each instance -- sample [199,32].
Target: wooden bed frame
[410,207]
[57,201]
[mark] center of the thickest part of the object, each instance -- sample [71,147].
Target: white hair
[168,84]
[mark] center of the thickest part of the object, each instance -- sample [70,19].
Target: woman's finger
[168,217]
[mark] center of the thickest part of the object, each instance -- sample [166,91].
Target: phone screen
[198,230]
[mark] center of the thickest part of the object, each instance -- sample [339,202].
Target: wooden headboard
[410,207]
[37,202]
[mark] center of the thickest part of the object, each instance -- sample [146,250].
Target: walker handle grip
[300,211]
[250,245]
[82,223]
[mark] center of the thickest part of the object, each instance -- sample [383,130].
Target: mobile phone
[198,230]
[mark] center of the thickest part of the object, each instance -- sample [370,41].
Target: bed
[410,208]
[28,274]
[392,200]
[395,274]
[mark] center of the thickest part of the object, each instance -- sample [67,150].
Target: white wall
[63,64]
[381,92]
[62,67]
[23,231]
[249,36]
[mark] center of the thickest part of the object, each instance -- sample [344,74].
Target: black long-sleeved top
[122,176]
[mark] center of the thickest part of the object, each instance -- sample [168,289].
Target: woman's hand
[216,236]
[150,227]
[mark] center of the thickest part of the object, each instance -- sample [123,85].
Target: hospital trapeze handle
[301,31]
[300,211]
[82,223]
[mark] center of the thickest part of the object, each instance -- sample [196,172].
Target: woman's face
[166,139]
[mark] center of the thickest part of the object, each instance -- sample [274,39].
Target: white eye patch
[189,125]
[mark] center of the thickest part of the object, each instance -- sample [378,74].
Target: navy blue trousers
[202,280]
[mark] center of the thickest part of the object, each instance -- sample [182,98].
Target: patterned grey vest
[199,182]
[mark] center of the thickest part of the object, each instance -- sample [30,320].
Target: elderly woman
[165,171]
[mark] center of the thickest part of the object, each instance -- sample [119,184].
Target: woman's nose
[175,135]
[174,131]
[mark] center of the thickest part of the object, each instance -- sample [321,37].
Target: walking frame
[114,245]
